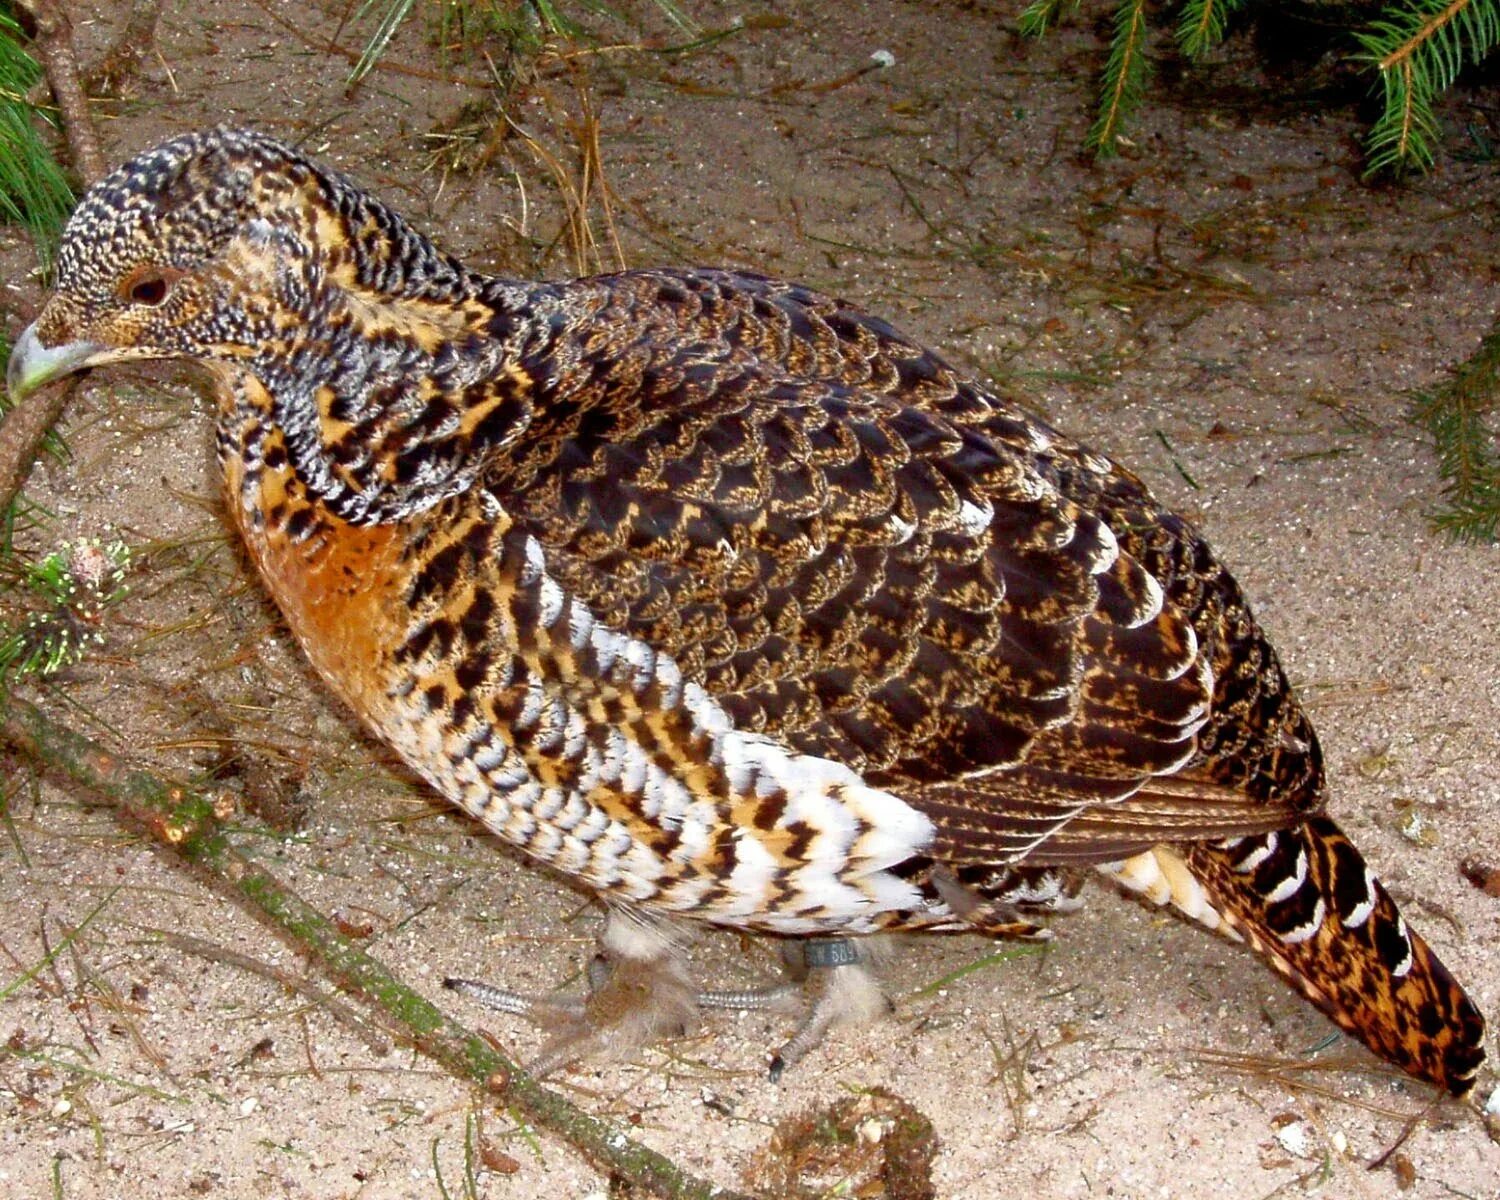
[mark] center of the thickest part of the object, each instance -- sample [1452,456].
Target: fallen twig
[190,825]
[22,432]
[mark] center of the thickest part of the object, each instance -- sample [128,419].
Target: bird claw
[633,999]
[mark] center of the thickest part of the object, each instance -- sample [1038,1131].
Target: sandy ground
[1227,309]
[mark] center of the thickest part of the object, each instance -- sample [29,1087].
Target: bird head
[230,249]
[160,257]
[214,246]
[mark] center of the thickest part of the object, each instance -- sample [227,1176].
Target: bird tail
[1304,899]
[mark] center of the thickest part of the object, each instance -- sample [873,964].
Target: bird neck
[388,404]
[364,246]
[389,368]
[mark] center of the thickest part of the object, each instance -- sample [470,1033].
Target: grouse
[731,601]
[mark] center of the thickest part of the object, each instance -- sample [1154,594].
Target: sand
[1226,308]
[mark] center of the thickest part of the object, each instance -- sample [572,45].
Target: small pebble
[1295,1139]
[873,1129]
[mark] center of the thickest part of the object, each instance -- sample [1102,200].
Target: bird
[734,604]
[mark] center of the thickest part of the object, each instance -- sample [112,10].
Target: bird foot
[835,972]
[639,992]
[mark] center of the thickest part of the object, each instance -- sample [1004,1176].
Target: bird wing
[858,552]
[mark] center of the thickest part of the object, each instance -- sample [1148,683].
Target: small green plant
[63,598]
[1415,47]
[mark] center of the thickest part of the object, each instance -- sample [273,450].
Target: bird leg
[835,972]
[639,991]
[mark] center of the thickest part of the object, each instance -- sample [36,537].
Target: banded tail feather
[1304,900]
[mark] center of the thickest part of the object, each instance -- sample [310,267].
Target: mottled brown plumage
[730,600]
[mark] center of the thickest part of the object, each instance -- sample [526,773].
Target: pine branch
[1427,30]
[1454,414]
[1419,47]
[1404,133]
[1041,15]
[1125,77]
[1202,24]
[1416,47]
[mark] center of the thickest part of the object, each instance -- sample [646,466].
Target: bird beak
[33,364]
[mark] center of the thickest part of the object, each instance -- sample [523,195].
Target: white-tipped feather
[1287,888]
[1314,923]
[1401,969]
[1256,856]
[1360,913]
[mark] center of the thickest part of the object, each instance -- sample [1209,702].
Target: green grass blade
[34,192]
[395,13]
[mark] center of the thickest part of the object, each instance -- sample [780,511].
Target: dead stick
[22,432]
[54,46]
[187,824]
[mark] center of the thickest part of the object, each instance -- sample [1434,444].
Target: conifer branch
[1124,77]
[1454,415]
[1041,15]
[1416,47]
[1202,24]
[1419,47]
[1423,33]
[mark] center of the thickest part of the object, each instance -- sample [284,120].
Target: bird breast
[577,743]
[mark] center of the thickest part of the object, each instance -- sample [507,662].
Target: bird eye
[149,291]
[146,285]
